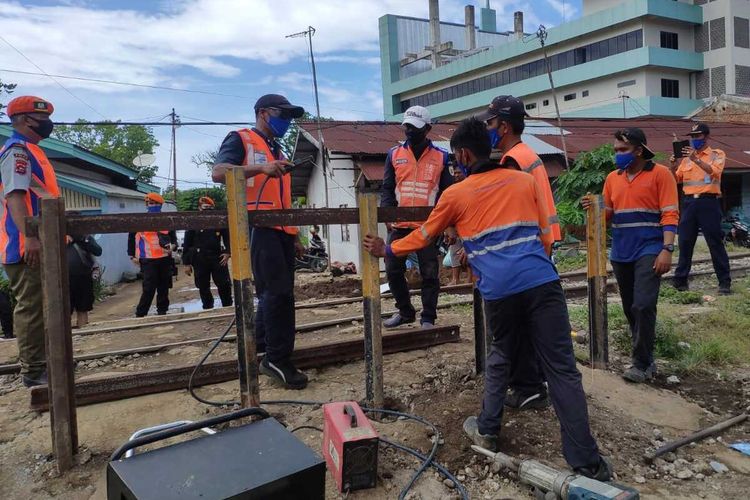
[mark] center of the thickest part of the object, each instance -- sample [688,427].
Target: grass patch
[673,296]
[567,263]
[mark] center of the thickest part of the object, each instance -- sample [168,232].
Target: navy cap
[504,106]
[279,102]
[699,129]
[636,137]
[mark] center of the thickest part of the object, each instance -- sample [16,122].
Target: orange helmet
[155,197]
[205,200]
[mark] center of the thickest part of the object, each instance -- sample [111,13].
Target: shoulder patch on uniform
[21,163]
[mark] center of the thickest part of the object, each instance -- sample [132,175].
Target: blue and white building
[619,59]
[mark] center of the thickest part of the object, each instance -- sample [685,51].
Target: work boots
[600,472]
[486,441]
[285,373]
[33,380]
[397,320]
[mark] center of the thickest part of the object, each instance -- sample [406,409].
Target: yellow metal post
[239,236]
[596,244]
[368,223]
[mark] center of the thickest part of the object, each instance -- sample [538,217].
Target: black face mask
[416,135]
[43,128]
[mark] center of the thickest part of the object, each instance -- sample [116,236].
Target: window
[569,97]
[626,83]
[668,40]
[670,88]
[531,106]
[632,40]
[585,93]
[345,236]
[742,32]
[545,102]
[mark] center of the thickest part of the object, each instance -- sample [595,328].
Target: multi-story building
[619,59]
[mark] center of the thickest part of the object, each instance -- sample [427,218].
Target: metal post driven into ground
[596,244]
[239,238]
[57,332]
[368,220]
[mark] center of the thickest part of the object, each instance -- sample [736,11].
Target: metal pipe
[435,32]
[471,36]
[697,436]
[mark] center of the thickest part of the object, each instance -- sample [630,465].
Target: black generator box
[261,460]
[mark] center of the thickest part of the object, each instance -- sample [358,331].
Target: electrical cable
[191,389]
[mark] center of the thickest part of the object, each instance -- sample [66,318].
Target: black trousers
[157,279]
[395,269]
[272,257]
[639,290]
[702,214]
[6,314]
[541,316]
[205,268]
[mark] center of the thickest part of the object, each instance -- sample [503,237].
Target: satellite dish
[144,160]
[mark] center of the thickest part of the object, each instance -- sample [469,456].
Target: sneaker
[638,376]
[599,472]
[397,320]
[7,336]
[725,289]
[680,286]
[527,401]
[33,381]
[284,372]
[427,324]
[487,441]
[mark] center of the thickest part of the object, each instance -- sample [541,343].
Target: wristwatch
[669,248]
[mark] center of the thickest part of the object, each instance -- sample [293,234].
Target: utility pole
[623,96]
[542,35]
[173,115]
[308,33]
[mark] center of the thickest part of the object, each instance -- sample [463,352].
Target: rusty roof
[585,134]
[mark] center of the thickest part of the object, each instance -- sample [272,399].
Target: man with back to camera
[501,216]
[258,152]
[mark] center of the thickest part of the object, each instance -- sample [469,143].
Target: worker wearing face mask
[700,174]
[152,251]
[258,152]
[27,176]
[416,174]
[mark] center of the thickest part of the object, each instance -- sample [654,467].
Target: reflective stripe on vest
[277,193]
[417,181]
[43,184]
[147,245]
[530,163]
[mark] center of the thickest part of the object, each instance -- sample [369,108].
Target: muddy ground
[437,383]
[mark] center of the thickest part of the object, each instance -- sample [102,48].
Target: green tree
[587,175]
[188,199]
[119,143]
[5,88]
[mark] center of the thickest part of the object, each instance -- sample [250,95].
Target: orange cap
[205,200]
[155,197]
[29,104]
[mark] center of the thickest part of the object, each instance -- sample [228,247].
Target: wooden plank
[239,238]
[173,221]
[596,259]
[139,384]
[59,342]
[371,307]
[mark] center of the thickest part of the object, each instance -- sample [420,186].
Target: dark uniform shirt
[205,243]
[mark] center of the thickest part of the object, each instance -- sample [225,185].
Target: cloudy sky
[230,51]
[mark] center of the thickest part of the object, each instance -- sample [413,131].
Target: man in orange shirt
[505,118]
[500,215]
[640,199]
[700,174]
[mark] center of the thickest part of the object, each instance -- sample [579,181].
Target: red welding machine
[350,446]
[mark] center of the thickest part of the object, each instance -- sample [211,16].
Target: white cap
[417,116]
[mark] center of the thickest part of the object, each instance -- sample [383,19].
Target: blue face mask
[154,209]
[623,160]
[697,143]
[279,125]
[464,169]
[495,137]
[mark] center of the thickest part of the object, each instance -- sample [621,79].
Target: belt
[702,195]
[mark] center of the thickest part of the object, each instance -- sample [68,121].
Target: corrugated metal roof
[101,188]
[587,134]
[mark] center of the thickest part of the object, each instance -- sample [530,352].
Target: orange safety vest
[43,185]
[277,193]
[148,244]
[695,180]
[417,181]
[530,163]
